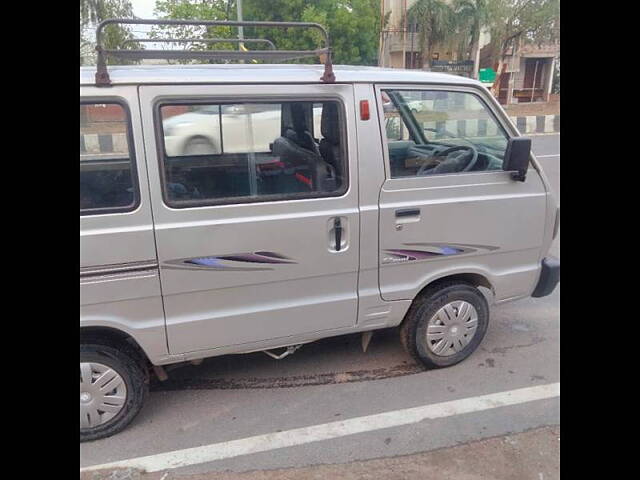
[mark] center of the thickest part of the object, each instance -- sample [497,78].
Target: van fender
[474,274]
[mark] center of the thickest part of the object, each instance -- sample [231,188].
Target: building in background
[400,48]
[528,72]
[527,76]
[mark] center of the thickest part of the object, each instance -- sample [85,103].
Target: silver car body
[501,228]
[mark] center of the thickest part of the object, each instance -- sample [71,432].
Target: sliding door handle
[337,227]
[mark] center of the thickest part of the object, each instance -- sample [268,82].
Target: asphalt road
[236,397]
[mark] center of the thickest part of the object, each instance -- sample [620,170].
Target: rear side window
[222,153]
[107,177]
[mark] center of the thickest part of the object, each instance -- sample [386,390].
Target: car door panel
[465,222]
[242,273]
[493,227]
[119,279]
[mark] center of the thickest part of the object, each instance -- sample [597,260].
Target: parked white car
[416,106]
[198,132]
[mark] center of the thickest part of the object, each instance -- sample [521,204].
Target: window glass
[239,152]
[106,175]
[434,132]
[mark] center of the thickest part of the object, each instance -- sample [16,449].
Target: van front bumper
[549,277]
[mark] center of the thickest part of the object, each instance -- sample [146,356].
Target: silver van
[314,201]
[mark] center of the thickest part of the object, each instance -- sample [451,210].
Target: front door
[447,207]
[255,207]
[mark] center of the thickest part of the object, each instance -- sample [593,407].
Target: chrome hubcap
[452,328]
[102,394]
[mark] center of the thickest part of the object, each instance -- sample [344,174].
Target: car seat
[296,147]
[330,148]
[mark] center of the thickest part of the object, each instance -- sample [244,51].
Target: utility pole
[240,29]
[381,47]
[404,34]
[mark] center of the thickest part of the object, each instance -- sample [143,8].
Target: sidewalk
[552,107]
[532,455]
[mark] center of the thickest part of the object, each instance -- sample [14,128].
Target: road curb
[103,143]
[538,124]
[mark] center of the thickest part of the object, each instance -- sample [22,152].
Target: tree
[353,25]
[471,16]
[92,12]
[517,21]
[189,10]
[436,22]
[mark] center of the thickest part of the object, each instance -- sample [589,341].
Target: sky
[143,8]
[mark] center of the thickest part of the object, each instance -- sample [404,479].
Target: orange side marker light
[364,109]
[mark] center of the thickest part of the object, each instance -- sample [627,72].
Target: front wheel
[113,386]
[445,325]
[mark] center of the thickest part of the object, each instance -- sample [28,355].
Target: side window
[107,179]
[251,152]
[435,132]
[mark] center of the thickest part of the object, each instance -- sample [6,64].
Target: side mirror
[516,158]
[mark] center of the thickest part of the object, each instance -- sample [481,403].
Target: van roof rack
[102,74]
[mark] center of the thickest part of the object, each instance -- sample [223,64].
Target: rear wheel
[445,325]
[113,387]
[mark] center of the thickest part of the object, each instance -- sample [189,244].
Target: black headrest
[329,123]
[298,118]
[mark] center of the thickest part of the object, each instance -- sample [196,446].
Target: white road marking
[327,431]
[545,156]
[540,134]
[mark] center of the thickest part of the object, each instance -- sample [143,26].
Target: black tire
[414,327]
[136,379]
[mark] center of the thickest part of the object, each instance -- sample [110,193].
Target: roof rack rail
[201,40]
[102,74]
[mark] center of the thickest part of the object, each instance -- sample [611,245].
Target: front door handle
[407,212]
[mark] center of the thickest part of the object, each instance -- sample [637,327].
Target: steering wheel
[444,153]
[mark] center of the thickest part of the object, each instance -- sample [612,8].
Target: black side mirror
[516,158]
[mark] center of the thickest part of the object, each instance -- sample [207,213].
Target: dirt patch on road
[532,455]
[342,361]
[287,382]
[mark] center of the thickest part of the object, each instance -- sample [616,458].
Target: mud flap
[366,338]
